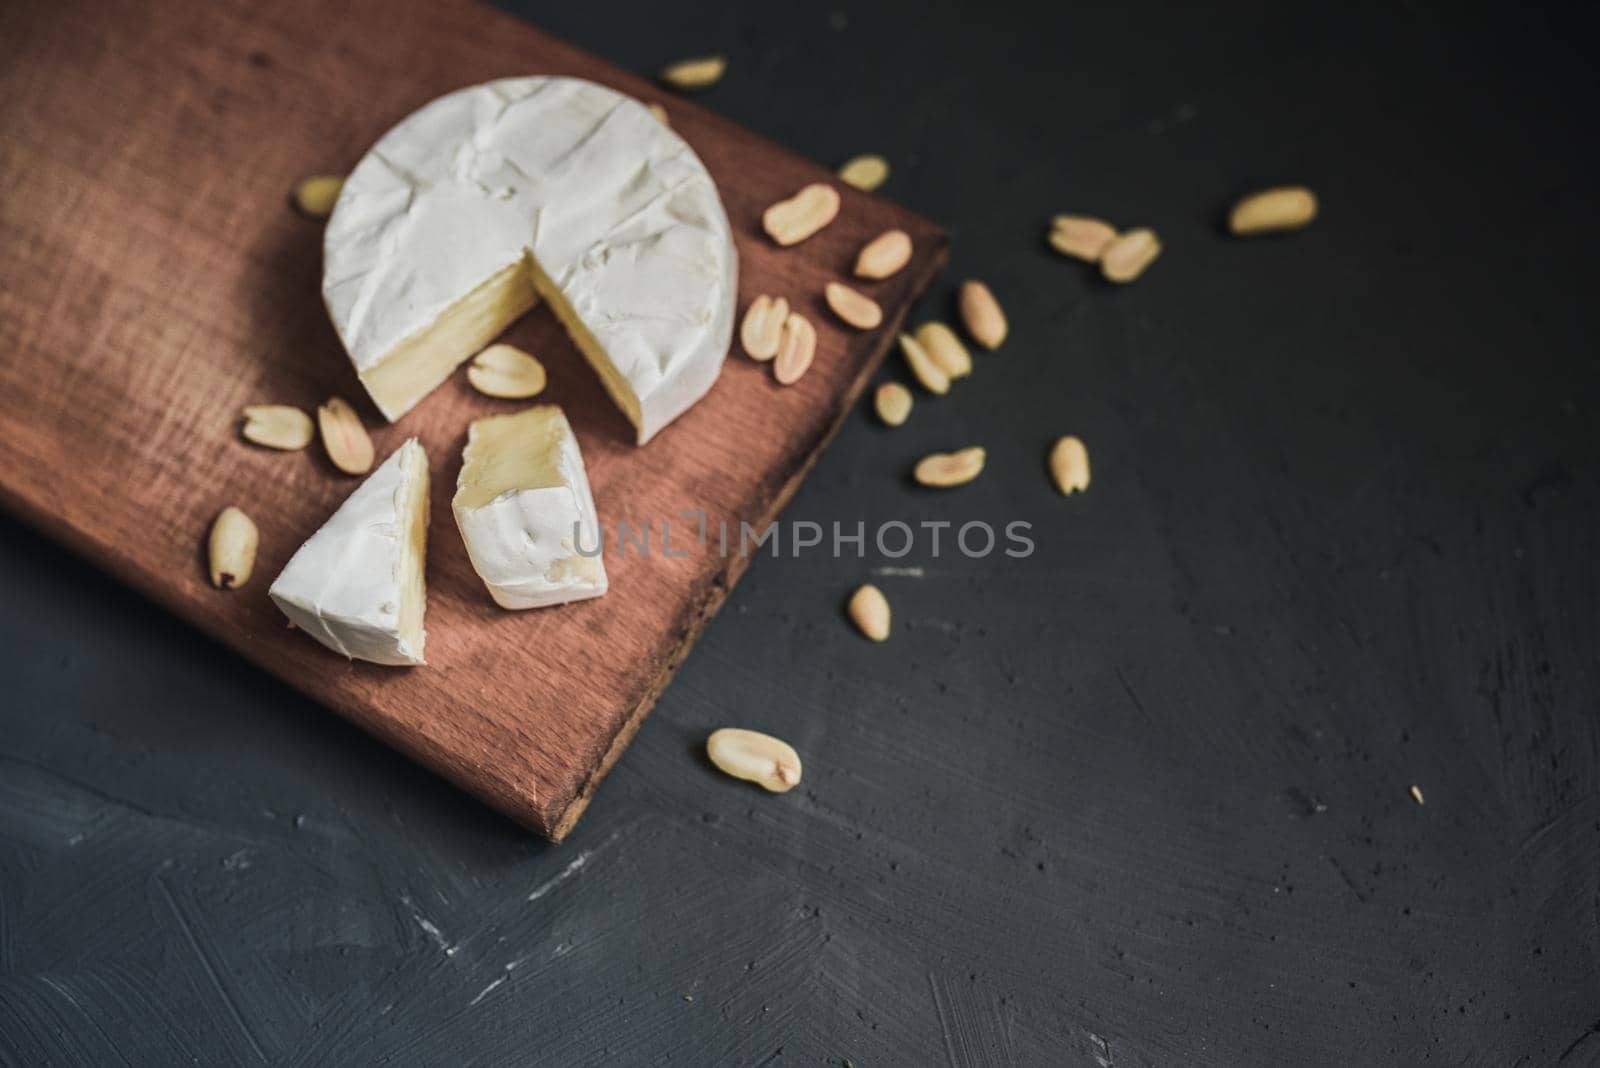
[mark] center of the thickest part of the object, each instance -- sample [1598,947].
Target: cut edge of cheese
[357,585]
[526,513]
[414,507]
[420,364]
[616,385]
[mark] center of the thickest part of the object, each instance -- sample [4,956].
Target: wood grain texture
[156,281]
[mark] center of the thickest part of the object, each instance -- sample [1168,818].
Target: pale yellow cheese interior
[416,366]
[413,508]
[621,393]
[511,452]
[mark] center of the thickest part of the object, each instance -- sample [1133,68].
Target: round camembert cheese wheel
[487,199]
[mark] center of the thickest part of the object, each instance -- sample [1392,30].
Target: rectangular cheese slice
[526,513]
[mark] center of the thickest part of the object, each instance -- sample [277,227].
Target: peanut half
[232,549]
[1127,257]
[702,72]
[981,314]
[892,402]
[945,349]
[866,173]
[506,371]
[1082,237]
[660,113]
[797,347]
[869,611]
[755,757]
[344,438]
[884,255]
[789,222]
[1069,465]
[930,375]
[277,426]
[316,196]
[763,326]
[859,311]
[946,469]
[1274,211]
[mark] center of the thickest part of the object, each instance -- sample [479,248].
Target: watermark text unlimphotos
[895,539]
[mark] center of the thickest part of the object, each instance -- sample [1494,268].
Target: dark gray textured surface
[1140,799]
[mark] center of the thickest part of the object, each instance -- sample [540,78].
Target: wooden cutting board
[155,281]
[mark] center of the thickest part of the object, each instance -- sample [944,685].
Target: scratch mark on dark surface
[186,927]
[88,1017]
[944,1022]
[88,790]
[429,928]
[576,865]
[1127,687]
[1102,1054]
[573,868]
[486,991]
[1536,839]
[1345,877]
[1593,1030]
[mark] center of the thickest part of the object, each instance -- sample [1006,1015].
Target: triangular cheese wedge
[525,511]
[356,585]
